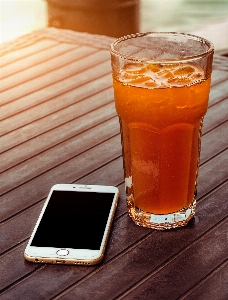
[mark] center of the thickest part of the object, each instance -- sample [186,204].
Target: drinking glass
[161,85]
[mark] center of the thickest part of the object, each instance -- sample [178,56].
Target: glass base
[161,222]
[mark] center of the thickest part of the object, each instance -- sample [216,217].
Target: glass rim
[155,61]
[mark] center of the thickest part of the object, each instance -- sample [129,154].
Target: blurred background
[207,18]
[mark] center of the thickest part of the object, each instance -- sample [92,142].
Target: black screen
[74,220]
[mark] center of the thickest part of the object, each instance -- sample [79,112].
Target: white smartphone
[74,225]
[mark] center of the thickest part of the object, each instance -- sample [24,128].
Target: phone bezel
[75,256]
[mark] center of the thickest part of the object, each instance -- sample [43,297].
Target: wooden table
[59,125]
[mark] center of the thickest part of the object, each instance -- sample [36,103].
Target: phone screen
[74,219]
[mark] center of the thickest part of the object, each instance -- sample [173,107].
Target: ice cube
[136,68]
[179,81]
[165,74]
[154,68]
[140,79]
[184,71]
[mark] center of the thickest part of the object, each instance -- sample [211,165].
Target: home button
[62,252]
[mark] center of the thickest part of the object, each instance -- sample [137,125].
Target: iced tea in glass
[161,86]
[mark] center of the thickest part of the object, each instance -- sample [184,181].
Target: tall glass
[161,86]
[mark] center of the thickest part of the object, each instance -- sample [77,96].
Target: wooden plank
[59,97]
[214,286]
[57,35]
[57,155]
[14,268]
[68,36]
[213,173]
[30,61]
[15,230]
[220,63]
[214,142]
[216,115]
[45,132]
[13,56]
[218,92]
[218,76]
[59,73]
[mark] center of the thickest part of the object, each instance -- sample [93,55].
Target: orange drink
[161,104]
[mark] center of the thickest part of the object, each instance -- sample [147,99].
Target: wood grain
[58,124]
